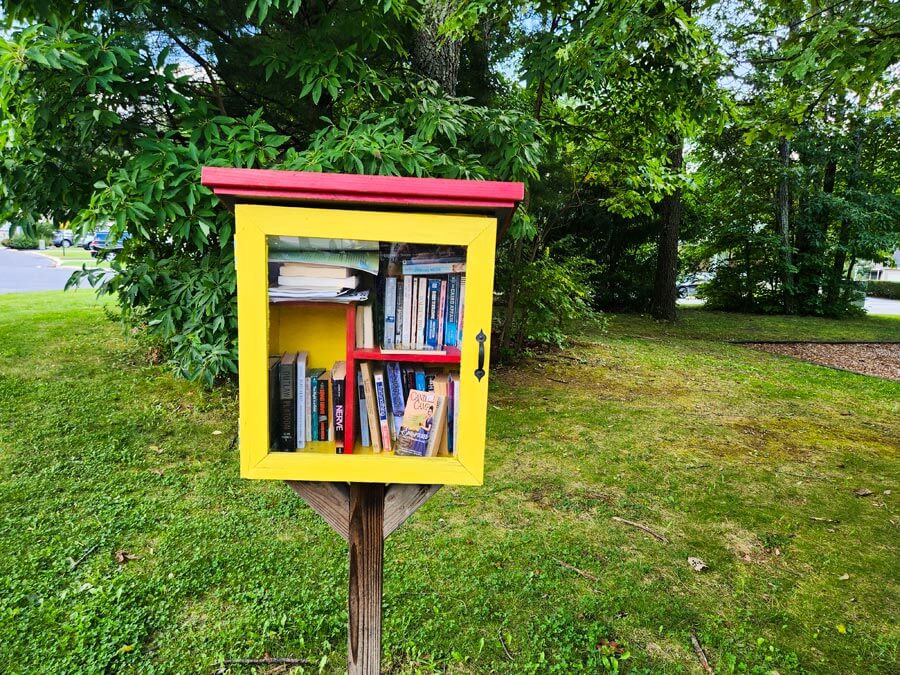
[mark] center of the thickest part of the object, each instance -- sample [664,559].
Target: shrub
[884,289]
[23,242]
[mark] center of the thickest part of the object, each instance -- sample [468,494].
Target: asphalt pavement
[23,271]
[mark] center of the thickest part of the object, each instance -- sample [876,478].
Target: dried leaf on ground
[863,492]
[123,556]
[844,577]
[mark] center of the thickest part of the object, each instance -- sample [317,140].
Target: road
[882,306]
[22,271]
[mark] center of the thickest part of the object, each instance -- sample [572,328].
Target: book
[339,395]
[365,369]
[422,291]
[311,270]
[451,326]
[398,313]
[422,424]
[308,412]
[433,268]
[453,413]
[390,311]
[274,402]
[395,389]
[462,306]
[381,402]
[368,325]
[300,416]
[440,385]
[362,412]
[318,282]
[287,373]
[407,311]
[314,376]
[432,310]
[442,312]
[322,398]
[421,383]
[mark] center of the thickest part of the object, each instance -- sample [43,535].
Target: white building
[890,272]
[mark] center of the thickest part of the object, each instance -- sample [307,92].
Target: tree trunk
[435,56]
[782,218]
[664,294]
[835,282]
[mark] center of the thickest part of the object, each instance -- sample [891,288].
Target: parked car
[105,248]
[88,240]
[690,283]
[63,238]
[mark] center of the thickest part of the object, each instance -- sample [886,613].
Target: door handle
[481,338]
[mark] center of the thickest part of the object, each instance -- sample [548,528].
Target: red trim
[255,184]
[452,356]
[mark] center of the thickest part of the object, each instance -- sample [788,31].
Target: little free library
[364,321]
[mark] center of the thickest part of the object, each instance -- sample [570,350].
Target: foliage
[554,292]
[129,459]
[22,241]
[883,289]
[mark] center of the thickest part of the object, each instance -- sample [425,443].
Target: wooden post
[366,541]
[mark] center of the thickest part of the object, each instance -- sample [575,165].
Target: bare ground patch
[866,358]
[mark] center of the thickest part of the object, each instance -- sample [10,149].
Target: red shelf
[452,356]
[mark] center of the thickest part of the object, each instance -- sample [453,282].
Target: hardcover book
[300,415]
[390,308]
[287,373]
[395,389]
[432,309]
[274,403]
[362,412]
[422,424]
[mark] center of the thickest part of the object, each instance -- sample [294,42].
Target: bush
[23,242]
[884,289]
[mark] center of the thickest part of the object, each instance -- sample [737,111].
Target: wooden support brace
[364,514]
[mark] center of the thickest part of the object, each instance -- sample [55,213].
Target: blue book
[451,322]
[390,311]
[395,389]
[424,268]
[421,383]
[432,307]
[363,417]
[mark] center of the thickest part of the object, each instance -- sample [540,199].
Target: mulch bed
[866,358]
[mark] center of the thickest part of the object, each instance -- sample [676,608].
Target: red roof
[446,194]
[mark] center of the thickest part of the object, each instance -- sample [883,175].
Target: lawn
[744,459]
[74,256]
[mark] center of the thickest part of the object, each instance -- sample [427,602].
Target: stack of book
[307,281]
[305,404]
[423,308]
[388,394]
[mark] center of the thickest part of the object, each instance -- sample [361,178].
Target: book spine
[371,407]
[451,416]
[434,268]
[407,311]
[381,400]
[395,387]
[451,327]
[432,313]
[421,384]
[323,410]
[314,407]
[338,396]
[442,313]
[363,414]
[300,399]
[274,408]
[286,383]
[462,308]
[398,314]
[390,309]
[420,313]
[308,413]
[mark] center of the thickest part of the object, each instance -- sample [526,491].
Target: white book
[368,326]
[398,326]
[308,412]
[390,310]
[318,282]
[311,270]
[302,358]
[407,311]
[420,313]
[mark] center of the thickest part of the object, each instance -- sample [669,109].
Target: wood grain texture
[401,501]
[329,500]
[366,578]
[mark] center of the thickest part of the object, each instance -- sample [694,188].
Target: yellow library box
[364,322]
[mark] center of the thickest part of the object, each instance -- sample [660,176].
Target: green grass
[732,454]
[74,256]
